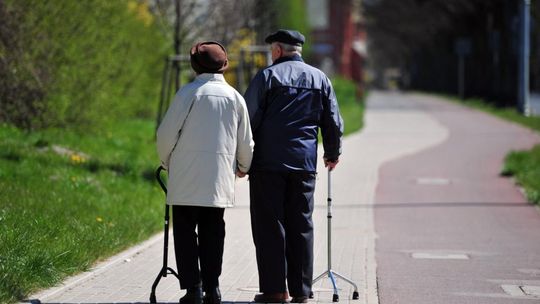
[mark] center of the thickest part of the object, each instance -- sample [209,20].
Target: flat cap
[286,36]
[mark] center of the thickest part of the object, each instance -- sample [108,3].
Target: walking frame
[165,270]
[332,275]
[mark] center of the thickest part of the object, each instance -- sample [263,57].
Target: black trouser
[282,226]
[207,247]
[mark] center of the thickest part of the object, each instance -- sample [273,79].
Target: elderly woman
[203,141]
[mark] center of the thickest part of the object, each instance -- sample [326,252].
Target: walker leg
[355,295]
[311,295]
[335,297]
[320,277]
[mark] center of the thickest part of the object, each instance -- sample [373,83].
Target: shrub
[77,63]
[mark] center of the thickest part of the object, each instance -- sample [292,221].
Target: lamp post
[524,51]
[177,45]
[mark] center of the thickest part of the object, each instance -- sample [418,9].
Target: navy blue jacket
[287,103]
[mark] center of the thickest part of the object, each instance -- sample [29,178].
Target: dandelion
[77,159]
[99,219]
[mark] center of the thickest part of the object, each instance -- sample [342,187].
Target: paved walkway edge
[99,268]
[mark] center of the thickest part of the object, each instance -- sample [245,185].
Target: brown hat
[208,57]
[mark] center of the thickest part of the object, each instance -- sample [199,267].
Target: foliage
[350,105]
[251,62]
[292,14]
[507,113]
[77,63]
[67,200]
[525,167]
[419,42]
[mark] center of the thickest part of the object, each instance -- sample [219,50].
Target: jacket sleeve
[244,139]
[331,124]
[169,129]
[254,97]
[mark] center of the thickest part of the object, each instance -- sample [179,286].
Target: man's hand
[240,174]
[330,164]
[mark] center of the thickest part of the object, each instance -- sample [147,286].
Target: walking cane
[165,270]
[332,275]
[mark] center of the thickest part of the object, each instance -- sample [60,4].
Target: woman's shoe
[194,295]
[213,296]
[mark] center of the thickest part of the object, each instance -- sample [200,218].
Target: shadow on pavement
[426,205]
[36,301]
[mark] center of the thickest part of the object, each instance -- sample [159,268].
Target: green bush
[77,63]
[351,105]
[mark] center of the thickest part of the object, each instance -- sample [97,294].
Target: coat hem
[203,204]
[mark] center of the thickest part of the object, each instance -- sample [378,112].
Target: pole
[240,71]
[329,216]
[177,45]
[461,80]
[524,47]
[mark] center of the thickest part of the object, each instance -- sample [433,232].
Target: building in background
[338,38]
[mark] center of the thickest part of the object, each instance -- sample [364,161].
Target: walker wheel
[355,295]
[311,295]
[335,298]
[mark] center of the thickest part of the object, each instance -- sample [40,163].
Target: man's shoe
[302,299]
[277,297]
[213,296]
[194,295]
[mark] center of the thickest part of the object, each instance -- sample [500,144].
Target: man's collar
[294,57]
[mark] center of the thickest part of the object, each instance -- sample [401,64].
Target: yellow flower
[77,159]
[142,11]
[99,219]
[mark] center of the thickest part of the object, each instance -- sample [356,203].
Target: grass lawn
[61,211]
[68,199]
[523,165]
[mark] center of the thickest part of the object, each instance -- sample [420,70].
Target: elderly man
[287,103]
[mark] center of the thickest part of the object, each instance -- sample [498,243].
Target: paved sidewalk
[390,132]
[451,229]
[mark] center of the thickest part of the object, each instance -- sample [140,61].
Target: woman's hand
[240,173]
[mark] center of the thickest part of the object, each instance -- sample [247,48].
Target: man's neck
[289,56]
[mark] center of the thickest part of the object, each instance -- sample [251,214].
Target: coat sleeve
[169,129]
[244,139]
[331,124]
[254,98]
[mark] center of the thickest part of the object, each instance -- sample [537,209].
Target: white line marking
[439,256]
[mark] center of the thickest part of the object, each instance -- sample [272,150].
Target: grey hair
[290,48]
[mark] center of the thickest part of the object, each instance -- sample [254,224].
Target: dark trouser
[281,209]
[209,250]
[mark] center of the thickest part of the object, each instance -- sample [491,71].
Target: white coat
[203,150]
